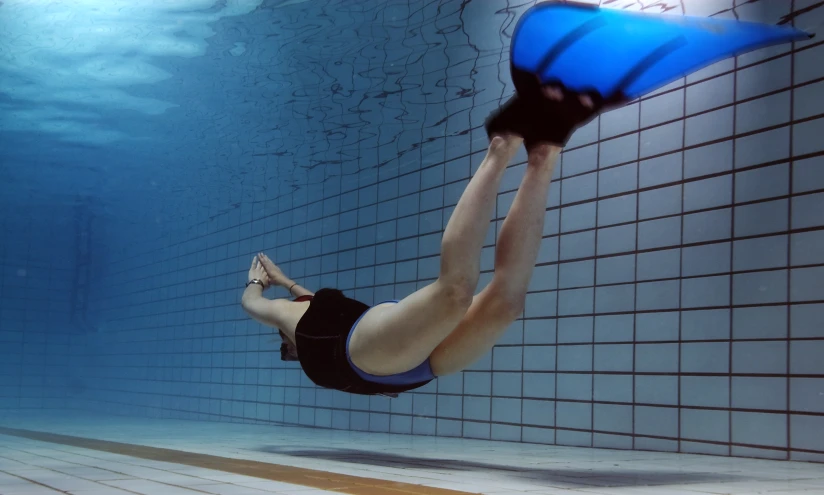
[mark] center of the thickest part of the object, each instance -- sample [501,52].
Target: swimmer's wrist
[296,290]
[255,283]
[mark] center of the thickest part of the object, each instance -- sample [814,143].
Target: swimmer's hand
[257,272]
[276,275]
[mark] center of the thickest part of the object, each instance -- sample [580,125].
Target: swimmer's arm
[266,311]
[296,290]
[277,277]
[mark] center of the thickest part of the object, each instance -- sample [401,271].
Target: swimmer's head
[288,351]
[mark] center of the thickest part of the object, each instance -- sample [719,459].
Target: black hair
[285,355]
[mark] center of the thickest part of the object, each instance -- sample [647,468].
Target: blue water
[147,151]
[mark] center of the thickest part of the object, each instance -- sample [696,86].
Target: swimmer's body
[445,324]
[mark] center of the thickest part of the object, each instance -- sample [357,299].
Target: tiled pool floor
[87,454]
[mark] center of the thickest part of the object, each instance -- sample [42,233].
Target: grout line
[679,410]
[731,277]
[555,346]
[789,306]
[594,288]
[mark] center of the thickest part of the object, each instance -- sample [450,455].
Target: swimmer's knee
[511,307]
[506,304]
[457,292]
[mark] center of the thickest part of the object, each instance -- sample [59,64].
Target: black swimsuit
[321,336]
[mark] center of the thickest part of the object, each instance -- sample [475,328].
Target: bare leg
[396,338]
[502,301]
[467,227]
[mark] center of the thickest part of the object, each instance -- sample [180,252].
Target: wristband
[290,288]
[255,281]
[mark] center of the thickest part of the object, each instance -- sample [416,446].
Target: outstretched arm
[253,301]
[271,312]
[277,277]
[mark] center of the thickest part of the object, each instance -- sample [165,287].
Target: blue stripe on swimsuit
[421,373]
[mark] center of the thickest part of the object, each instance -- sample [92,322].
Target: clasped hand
[267,272]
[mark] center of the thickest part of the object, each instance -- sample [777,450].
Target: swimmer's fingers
[257,267]
[267,264]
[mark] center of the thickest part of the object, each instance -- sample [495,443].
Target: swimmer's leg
[502,301]
[396,338]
